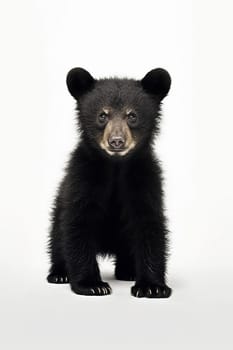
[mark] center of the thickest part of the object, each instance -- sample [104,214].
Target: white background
[40,41]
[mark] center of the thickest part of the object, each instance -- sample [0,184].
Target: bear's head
[118,116]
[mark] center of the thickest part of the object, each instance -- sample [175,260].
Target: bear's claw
[102,288]
[57,279]
[151,291]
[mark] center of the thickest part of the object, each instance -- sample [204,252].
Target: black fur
[111,204]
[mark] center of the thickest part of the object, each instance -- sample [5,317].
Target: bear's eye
[132,118]
[103,118]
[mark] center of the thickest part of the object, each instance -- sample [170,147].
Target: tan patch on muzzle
[117,127]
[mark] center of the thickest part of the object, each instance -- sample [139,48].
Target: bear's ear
[157,82]
[79,81]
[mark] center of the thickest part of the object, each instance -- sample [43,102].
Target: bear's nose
[116,142]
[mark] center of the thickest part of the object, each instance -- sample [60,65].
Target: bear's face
[118,116]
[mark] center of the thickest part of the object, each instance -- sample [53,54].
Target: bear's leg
[83,269]
[125,266]
[80,255]
[57,272]
[150,260]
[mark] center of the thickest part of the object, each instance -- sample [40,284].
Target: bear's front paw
[96,288]
[151,291]
[57,278]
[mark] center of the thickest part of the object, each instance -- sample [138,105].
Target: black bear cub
[110,201]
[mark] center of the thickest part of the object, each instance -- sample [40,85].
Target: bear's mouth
[117,152]
[114,150]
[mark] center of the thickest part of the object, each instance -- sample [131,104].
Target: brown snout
[117,137]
